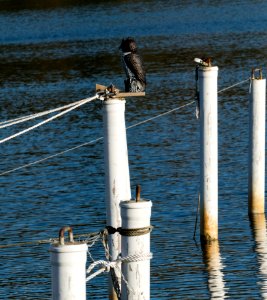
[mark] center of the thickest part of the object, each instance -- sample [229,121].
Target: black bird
[133,66]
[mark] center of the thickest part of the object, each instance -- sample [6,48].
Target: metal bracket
[111,91]
[61,235]
[256,70]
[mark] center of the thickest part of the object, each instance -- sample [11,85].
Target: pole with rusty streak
[136,271]
[68,260]
[256,173]
[117,178]
[207,77]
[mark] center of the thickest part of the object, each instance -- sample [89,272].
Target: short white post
[208,98]
[256,174]
[117,178]
[68,262]
[136,249]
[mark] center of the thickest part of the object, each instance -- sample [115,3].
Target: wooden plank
[100,87]
[137,94]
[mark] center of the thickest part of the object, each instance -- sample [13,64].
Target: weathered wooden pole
[256,173]
[207,77]
[136,249]
[117,178]
[68,260]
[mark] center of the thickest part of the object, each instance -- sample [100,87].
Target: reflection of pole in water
[212,260]
[258,225]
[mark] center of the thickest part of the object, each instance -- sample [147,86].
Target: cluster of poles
[133,215]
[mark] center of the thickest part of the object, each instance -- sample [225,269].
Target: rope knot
[111,230]
[129,232]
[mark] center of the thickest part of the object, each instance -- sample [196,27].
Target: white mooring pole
[136,249]
[256,173]
[208,98]
[117,178]
[68,260]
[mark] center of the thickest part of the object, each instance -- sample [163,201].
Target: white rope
[11,122]
[105,267]
[90,238]
[160,115]
[100,138]
[90,142]
[49,119]
[36,115]
[91,242]
[136,257]
[238,83]
[50,156]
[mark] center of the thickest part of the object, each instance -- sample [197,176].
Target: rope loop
[111,230]
[136,257]
[135,231]
[105,266]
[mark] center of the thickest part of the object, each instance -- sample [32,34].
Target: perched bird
[203,61]
[133,66]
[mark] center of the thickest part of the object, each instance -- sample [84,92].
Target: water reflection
[258,225]
[214,266]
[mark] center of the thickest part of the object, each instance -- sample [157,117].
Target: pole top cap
[132,204]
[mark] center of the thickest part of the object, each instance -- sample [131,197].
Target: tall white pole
[136,249]
[68,262]
[256,176]
[208,98]
[117,178]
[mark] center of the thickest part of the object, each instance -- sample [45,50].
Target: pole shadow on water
[258,228]
[214,266]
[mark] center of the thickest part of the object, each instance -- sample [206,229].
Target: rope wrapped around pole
[130,232]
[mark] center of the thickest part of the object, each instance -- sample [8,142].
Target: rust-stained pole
[256,173]
[117,178]
[207,77]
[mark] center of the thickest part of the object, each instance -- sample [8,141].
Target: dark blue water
[54,53]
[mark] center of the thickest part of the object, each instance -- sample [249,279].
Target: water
[52,54]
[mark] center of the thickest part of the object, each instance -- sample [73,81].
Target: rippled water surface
[53,53]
